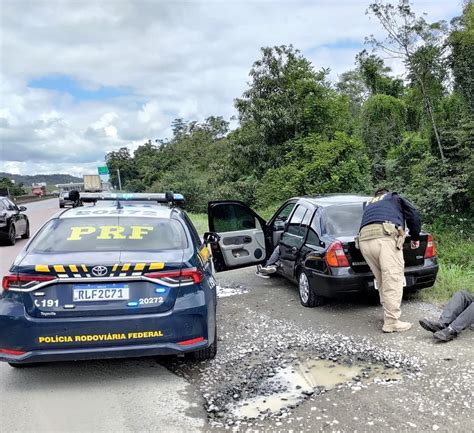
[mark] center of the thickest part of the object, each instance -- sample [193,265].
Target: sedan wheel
[12,235]
[307,296]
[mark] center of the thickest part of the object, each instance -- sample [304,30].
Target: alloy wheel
[304,287]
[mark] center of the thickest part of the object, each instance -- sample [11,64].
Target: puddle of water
[304,377]
[224,292]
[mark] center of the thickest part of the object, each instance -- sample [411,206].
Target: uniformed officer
[380,239]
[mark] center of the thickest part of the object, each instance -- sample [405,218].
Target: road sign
[103,170]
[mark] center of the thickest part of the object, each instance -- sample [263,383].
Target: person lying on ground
[456,316]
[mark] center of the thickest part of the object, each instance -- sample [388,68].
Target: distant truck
[38,189]
[92,183]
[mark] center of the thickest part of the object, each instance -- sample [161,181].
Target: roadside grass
[454,249]
[200,222]
[455,252]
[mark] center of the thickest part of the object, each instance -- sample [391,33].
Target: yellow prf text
[99,337]
[109,232]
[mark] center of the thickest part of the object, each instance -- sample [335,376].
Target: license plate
[101,293]
[376,286]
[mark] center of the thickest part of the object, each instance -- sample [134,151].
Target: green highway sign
[103,170]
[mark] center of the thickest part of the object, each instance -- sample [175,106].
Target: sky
[81,78]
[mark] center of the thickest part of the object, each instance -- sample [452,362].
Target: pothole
[289,386]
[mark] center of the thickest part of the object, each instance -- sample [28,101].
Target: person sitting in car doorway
[380,240]
[271,266]
[456,316]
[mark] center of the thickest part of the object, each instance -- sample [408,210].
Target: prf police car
[126,279]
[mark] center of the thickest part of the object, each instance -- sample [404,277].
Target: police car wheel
[307,296]
[208,352]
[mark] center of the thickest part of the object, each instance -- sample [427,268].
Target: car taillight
[183,276]
[20,281]
[335,256]
[12,352]
[430,247]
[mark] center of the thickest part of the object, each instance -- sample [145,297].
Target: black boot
[431,325]
[446,334]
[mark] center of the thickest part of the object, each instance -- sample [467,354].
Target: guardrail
[30,198]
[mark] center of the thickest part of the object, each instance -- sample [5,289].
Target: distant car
[123,280]
[13,222]
[316,238]
[64,199]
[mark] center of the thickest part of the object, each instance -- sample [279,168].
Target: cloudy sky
[80,78]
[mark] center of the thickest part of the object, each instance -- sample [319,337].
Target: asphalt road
[119,395]
[262,322]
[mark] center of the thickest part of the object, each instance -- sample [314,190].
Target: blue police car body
[108,282]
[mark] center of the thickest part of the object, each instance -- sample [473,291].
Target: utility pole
[120,180]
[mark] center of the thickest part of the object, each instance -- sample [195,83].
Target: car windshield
[109,234]
[343,220]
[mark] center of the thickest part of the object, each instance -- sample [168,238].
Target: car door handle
[247,239]
[294,250]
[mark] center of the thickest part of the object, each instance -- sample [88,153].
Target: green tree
[317,165]
[382,126]
[123,161]
[461,42]
[416,42]
[13,188]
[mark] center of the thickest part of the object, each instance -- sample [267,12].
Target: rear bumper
[347,281]
[50,339]
[103,352]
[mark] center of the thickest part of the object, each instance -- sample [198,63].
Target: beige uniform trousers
[387,264]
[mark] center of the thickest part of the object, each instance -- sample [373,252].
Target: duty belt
[380,230]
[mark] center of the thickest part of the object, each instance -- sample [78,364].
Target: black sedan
[316,238]
[13,222]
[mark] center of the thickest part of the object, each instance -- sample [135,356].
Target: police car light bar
[168,197]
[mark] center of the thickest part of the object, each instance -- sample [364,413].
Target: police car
[118,280]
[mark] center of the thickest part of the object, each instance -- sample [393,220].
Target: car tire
[26,235]
[16,365]
[61,205]
[306,293]
[11,240]
[207,353]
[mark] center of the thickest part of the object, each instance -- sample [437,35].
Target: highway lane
[116,395]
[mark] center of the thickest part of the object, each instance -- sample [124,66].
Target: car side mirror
[279,225]
[211,238]
[22,208]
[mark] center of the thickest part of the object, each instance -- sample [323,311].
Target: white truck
[92,183]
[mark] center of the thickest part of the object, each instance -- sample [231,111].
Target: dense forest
[301,134]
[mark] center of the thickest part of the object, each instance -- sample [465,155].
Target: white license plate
[101,294]
[376,286]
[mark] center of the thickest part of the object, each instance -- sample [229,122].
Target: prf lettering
[109,232]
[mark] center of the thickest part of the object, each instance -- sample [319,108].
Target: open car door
[241,239]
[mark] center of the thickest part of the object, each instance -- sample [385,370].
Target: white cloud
[174,59]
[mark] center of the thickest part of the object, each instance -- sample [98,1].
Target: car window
[232,217]
[10,204]
[109,234]
[313,237]
[193,231]
[3,205]
[285,212]
[343,220]
[295,221]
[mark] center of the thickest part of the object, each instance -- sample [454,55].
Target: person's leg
[464,320]
[392,268]
[274,258]
[370,251]
[456,305]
